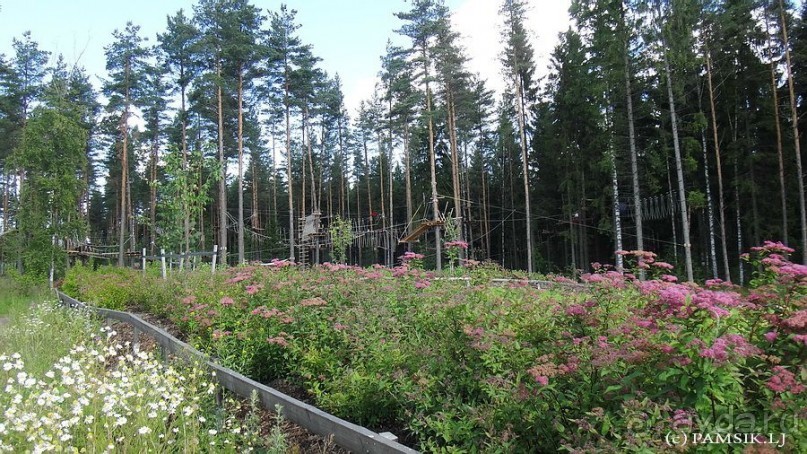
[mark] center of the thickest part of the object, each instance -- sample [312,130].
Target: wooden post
[215,256]
[162,259]
[136,341]
[143,261]
[52,263]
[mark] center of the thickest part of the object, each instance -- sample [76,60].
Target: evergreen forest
[670,126]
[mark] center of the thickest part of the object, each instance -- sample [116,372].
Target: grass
[15,298]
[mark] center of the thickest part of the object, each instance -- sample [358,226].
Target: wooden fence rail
[345,434]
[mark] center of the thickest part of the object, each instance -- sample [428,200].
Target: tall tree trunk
[186,222]
[153,195]
[241,258]
[777,124]
[6,188]
[709,207]
[615,206]
[739,222]
[381,189]
[525,163]
[392,240]
[223,178]
[367,181]
[342,171]
[124,130]
[796,137]
[408,176]
[720,197]
[288,167]
[634,161]
[485,212]
[123,187]
[455,164]
[433,165]
[679,169]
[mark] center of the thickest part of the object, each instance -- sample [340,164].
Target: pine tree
[178,46]
[518,60]
[286,49]
[421,27]
[126,64]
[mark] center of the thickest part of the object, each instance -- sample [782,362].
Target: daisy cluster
[104,397]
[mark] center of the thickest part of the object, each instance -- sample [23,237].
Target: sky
[349,35]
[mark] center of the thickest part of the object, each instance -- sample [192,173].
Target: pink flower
[278,340]
[227,301]
[771,247]
[663,265]
[459,244]
[409,256]
[797,320]
[316,301]
[771,336]
[218,334]
[801,338]
[784,381]
[542,380]
[421,284]
[253,289]
[576,309]
[728,346]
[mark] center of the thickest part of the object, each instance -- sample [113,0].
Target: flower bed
[620,366]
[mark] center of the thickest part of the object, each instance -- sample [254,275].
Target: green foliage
[508,367]
[341,233]
[184,192]
[52,154]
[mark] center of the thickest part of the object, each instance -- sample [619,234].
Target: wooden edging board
[345,434]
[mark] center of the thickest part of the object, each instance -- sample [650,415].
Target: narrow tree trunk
[720,198]
[381,189]
[679,170]
[617,215]
[5,200]
[634,161]
[123,186]
[796,137]
[153,195]
[124,171]
[433,168]
[739,223]
[342,171]
[288,166]
[709,207]
[408,176]
[241,258]
[525,165]
[223,178]
[485,210]
[779,152]
[455,167]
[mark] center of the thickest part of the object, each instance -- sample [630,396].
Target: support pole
[162,260]
[215,256]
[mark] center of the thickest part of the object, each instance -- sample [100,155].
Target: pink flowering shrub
[464,365]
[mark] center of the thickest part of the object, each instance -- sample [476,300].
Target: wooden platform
[422,228]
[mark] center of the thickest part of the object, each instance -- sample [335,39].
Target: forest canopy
[664,126]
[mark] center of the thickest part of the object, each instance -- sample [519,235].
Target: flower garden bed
[622,365]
